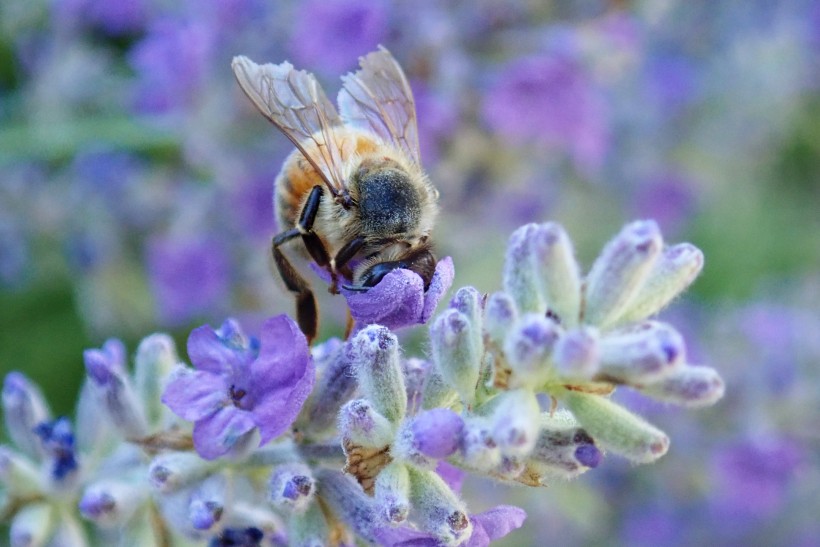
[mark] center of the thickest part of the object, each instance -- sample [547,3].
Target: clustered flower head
[270,442]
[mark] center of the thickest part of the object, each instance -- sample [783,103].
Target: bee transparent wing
[378,97]
[295,102]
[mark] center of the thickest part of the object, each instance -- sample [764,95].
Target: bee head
[418,259]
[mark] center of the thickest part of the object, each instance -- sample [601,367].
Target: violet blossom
[239,386]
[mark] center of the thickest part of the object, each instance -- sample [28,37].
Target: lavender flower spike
[238,387]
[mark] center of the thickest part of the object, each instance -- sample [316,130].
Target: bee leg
[313,244]
[349,325]
[344,255]
[306,310]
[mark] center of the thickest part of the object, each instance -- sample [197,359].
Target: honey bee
[353,190]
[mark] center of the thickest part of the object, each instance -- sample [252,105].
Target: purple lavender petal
[440,284]
[281,377]
[437,432]
[499,521]
[216,435]
[397,301]
[452,475]
[209,352]
[404,537]
[193,394]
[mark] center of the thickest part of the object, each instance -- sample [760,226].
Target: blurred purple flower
[171,63]
[672,82]
[330,35]
[189,277]
[437,119]
[751,479]
[669,198]
[652,526]
[115,18]
[488,526]
[239,386]
[399,300]
[452,475]
[251,208]
[550,99]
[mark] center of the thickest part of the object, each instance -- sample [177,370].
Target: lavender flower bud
[620,272]
[207,503]
[439,510]
[18,475]
[156,356]
[23,408]
[457,358]
[347,499]
[690,386]
[116,395]
[500,315]
[336,384]
[469,302]
[563,450]
[69,533]
[437,432]
[363,425]
[415,372]
[515,422]
[520,278]
[430,435]
[93,434]
[437,393]
[479,450]
[374,354]
[392,493]
[577,353]
[642,355]
[291,487]
[528,348]
[174,470]
[558,273]
[111,502]
[674,271]
[615,428]
[510,468]
[32,525]
[309,527]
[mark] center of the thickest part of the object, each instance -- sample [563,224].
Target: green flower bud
[616,429]
[620,272]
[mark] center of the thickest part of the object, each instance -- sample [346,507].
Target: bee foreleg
[306,310]
[347,252]
[313,243]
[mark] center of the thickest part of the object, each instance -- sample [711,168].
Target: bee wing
[378,97]
[295,102]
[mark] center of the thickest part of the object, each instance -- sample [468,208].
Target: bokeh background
[136,181]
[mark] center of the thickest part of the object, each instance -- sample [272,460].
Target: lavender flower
[551,99]
[189,276]
[239,387]
[329,34]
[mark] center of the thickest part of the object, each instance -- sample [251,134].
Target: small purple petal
[452,475]
[397,301]
[499,521]
[437,432]
[281,377]
[209,352]
[440,284]
[588,455]
[216,435]
[194,394]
